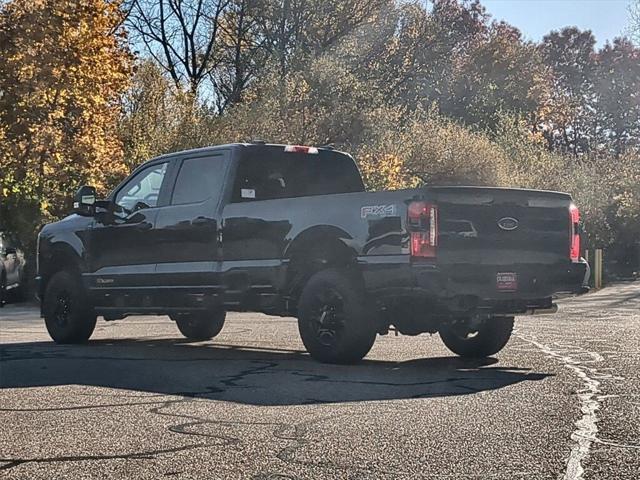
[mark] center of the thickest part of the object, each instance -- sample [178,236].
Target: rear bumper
[533,281]
[472,288]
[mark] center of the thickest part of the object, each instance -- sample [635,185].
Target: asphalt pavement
[561,401]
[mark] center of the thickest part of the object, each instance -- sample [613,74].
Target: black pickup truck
[290,231]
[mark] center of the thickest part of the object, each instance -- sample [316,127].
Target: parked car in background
[12,268]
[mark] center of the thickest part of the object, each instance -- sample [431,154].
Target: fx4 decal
[378,211]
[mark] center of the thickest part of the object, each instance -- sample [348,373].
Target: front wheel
[333,319]
[68,316]
[485,340]
[200,325]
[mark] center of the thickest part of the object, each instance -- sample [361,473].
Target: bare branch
[184,31]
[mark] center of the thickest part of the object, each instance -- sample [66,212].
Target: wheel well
[60,260]
[312,256]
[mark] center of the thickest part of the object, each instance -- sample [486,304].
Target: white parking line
[589,396]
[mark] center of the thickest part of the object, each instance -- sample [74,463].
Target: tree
[157,118]
[242,52]
[326,104]
[452,57]
[500,74]
[296,30]
[412,53]
[64,67]
[228,42]
[182,36]
[618,94]
[634,21]
[569,123]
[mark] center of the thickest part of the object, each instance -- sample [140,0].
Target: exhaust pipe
[541,311]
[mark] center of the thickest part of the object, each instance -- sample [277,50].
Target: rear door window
[199,179]
[270,173]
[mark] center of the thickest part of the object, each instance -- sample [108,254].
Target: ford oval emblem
[508,223]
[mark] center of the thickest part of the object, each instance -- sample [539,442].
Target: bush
[425,148]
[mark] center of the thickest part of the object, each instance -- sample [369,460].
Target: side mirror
[84,200]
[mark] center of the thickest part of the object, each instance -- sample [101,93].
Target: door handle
[201,221]
[143,226]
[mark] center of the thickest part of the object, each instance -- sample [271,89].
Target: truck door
[188,230]
[123,249]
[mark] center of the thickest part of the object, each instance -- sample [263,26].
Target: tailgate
[502,227]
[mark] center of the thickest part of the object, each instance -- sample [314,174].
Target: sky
[535,18]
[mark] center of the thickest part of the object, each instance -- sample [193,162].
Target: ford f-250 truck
[290,231]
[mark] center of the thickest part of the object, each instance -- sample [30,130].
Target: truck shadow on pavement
[245,375]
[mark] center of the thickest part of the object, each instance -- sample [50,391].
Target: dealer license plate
[507,281]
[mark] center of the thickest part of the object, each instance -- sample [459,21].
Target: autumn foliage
[420,92]
[64,66]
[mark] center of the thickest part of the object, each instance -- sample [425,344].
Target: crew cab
[290,230]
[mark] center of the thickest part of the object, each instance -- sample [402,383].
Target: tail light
[422,223]
[574,250]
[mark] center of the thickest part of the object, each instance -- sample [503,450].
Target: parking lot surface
[138,401]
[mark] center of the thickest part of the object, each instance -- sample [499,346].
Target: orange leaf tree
[64,66]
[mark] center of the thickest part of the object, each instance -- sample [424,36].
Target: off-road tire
[68,316]
[200,325]
[490,338]
[355,327]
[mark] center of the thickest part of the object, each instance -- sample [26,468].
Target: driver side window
[143,190]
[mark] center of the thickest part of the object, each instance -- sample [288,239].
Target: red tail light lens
[422,222]
[574,250]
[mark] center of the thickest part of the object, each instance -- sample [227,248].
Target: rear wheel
[68,316]
[333,318]
[200,325]
[483,341]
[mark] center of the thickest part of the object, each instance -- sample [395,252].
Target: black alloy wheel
[68,315]
[333,319]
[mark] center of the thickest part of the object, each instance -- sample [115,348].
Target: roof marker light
[300,149]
